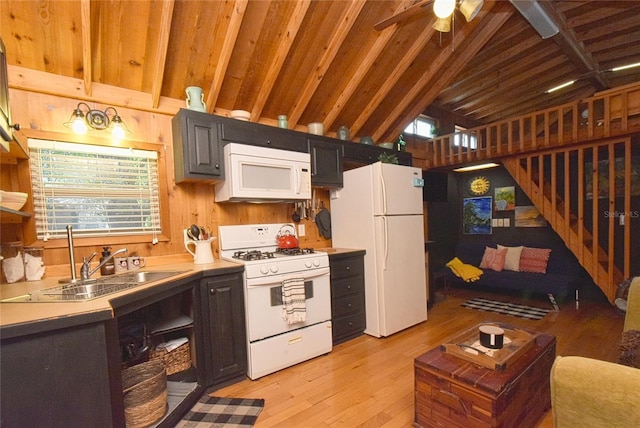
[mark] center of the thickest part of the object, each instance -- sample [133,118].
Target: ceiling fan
[443,10]
[531,10]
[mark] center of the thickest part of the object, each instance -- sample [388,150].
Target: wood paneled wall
[41,114]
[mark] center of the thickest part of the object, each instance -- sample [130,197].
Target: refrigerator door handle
[385,238]
[383,190]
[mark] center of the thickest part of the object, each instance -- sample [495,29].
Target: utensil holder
[202,253]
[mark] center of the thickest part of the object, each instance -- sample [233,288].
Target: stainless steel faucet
[86,272]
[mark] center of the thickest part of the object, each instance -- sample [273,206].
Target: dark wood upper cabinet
[197,148]
[199,139]
[326,162]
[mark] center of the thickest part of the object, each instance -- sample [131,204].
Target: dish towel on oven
[293,299]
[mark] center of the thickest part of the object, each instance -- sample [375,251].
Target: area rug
[522,311]
[222,412]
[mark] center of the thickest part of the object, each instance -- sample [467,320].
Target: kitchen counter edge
[337,253]
[20,319]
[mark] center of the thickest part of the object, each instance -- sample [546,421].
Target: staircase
[562,159]
[592,230]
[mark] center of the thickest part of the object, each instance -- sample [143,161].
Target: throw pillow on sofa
[493,259]
[512,260]
[534,259]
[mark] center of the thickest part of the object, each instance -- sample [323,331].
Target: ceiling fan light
[444,8]
[470,8]
[442,24]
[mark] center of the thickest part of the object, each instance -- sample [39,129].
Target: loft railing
[611,113]
[562,158]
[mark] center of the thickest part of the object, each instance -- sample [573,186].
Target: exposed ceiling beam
[27,79]
[394,77]
[163,46]
[570,45]
[284,47]
[321,67]
[406,12]
[520,86]
[479,32]
[362,70]
[85,12]
[235,21]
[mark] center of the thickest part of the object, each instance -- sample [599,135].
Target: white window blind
[100,191]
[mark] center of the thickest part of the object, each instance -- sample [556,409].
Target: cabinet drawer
[346,305]
[347,286]
[348,326]
[347,268]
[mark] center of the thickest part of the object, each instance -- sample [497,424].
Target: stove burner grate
[295,251]
[253,255]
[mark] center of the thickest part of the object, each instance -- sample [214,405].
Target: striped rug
[516,310]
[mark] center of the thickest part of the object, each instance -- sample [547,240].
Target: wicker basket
[175,361]
[145,393]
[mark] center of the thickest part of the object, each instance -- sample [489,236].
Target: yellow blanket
[467,272]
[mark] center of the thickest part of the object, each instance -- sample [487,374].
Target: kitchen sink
[83,291]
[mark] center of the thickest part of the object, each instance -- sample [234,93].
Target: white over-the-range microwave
[262,174]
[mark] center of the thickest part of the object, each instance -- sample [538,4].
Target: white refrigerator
[380,210]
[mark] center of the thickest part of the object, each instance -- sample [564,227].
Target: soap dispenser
[109,268]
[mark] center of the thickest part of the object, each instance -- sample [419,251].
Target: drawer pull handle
[294,340]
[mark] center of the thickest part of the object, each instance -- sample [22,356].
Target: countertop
[24,314]
[337,251]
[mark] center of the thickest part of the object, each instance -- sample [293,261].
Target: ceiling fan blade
[412,10]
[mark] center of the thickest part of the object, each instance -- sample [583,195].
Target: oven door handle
[277,279]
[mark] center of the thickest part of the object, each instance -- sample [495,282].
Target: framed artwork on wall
[529,216]
[505,198]
[476,215]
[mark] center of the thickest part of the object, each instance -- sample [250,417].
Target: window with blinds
[100,191]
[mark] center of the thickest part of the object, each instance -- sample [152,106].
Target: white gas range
[274,343]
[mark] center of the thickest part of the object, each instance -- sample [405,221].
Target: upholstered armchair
[589,393]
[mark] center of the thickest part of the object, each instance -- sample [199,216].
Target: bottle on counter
[109,268]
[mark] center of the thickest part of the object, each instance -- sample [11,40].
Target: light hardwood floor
[368,382]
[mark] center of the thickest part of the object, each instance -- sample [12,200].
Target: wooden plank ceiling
[323,60]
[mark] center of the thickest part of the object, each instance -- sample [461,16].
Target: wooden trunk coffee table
[454,392]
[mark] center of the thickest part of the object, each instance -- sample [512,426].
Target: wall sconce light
[99,120]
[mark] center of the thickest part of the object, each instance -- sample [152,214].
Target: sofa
[587,393]
[563,277]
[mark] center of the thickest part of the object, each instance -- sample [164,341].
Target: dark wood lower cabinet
[223,333]
[348,316]
[58,378]
[67,372]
